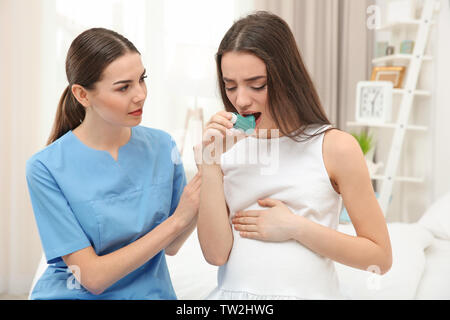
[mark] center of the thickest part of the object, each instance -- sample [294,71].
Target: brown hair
[292,98]
[89,54]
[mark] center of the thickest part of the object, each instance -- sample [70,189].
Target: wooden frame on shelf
[395,74]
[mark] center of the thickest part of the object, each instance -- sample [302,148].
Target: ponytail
[69,115]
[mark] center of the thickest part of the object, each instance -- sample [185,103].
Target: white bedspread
[419,270]
[408,242]
[435,282]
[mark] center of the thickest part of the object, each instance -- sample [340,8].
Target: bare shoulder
[341,152]
[340,142]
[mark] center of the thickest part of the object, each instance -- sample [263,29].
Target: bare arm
[371,246]
[355,251]
[174,246]
[213,227]
[347,168]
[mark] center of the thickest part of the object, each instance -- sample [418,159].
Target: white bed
[420,269]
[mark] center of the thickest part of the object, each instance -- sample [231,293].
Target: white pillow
[435,282]
[408,243]
[437,218]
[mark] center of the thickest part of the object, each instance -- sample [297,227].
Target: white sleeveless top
[293,172]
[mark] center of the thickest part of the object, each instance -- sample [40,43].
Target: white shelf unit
[400,57]
[424,93]
[399,178]
[401,24]
[385,125]
[407,94]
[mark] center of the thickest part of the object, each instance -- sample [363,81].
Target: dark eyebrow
[128,81]
[249,79]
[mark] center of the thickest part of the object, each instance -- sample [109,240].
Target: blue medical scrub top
[83,197]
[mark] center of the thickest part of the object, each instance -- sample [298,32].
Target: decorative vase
[373,167]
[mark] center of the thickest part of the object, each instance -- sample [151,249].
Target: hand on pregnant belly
[274,224]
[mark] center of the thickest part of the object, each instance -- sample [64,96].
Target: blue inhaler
[246,124]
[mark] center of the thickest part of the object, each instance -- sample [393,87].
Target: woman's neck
[101,135]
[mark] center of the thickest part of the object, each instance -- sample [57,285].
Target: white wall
[441,117]
[20,97]
[440,158]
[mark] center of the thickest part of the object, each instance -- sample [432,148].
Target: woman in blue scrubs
[109,196]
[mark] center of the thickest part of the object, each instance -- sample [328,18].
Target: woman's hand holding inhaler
[219,135]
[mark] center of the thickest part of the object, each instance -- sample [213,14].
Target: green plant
[365,141]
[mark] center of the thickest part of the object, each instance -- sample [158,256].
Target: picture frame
[407,46]
[394,74]
[380,48]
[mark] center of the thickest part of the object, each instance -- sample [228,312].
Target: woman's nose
[141,94]
[242,99]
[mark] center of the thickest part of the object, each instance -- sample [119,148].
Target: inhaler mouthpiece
[246,124]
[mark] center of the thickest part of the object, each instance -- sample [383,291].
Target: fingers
[247,228]
[245,220]
[195,183]
[250,235]
[214,133]
[214,130]
[222,119]
[225,114]
[196,180]
[268,202]
[248,213]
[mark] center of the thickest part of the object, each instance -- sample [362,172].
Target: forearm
[97,273]
[176,244]
[213,227]
[354,251]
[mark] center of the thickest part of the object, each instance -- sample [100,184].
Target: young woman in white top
[273,233]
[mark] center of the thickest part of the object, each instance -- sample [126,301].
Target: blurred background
[340,43]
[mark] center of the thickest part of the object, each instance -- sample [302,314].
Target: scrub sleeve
[60,231]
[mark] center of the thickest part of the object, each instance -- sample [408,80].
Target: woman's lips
[258,120]
[136,113]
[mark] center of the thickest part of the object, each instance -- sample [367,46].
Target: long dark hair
[292,98]
[89,54]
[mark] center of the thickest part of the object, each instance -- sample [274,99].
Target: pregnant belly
[277,268]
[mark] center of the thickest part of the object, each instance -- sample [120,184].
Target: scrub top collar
[104,152]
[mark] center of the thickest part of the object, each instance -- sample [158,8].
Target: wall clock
[374,101]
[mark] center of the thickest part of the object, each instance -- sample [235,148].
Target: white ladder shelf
[415,65]
[408,94]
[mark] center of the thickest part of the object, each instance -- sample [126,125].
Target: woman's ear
[81,95]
